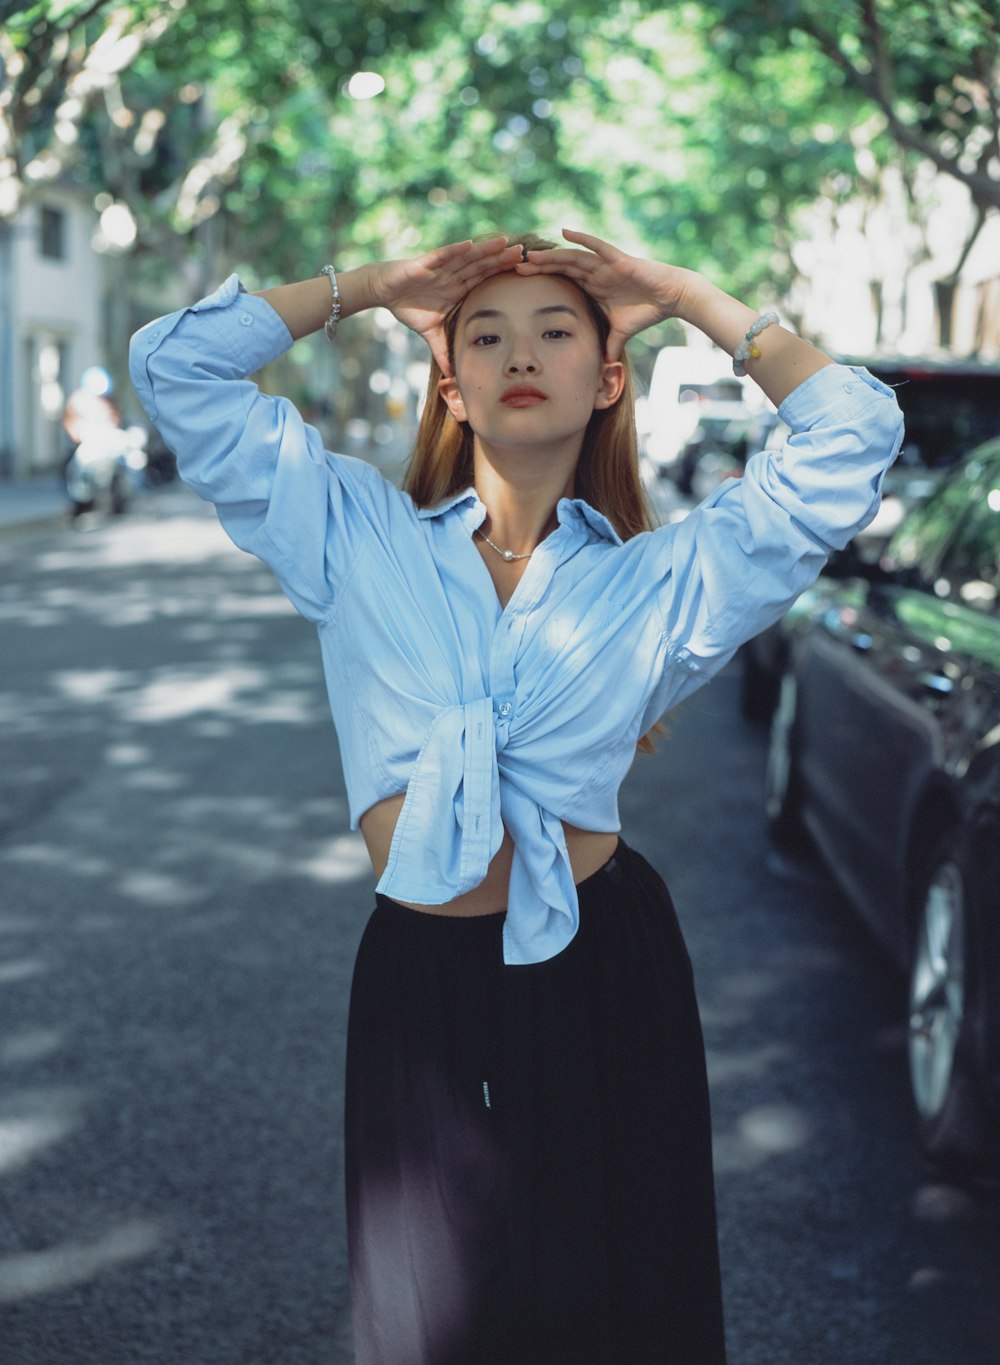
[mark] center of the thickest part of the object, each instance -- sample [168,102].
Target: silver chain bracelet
[330,326]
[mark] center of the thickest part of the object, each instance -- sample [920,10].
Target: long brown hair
[607,474]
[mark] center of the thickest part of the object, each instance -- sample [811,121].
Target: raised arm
[421,291]
[278,493]
[639,293]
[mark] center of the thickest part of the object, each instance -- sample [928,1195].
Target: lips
[522,396]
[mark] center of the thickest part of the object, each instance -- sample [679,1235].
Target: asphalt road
[180,900]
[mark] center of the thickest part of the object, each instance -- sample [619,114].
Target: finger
[454,252]
[493,246]
[474,272]
[560,255]
[439,255]
[576,265]
[595,244]
[615,345]
[438,344]
[506,256]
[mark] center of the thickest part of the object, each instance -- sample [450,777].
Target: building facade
[51,292]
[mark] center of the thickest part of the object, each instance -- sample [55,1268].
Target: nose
[522,357]
[520,363]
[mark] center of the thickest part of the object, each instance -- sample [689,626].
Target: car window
[946,415]
[969,570]
[922,539]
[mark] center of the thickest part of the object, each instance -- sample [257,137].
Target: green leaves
[692,131]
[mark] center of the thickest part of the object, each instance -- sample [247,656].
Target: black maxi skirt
[528,1149]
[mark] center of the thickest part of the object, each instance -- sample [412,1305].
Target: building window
[52,234]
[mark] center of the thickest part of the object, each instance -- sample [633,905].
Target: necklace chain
[509,555]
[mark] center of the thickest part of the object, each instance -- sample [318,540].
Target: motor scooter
[106,457]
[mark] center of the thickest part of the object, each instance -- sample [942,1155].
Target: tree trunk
[944,307]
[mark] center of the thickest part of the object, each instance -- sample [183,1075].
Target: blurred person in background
[104,456]
[528,1144]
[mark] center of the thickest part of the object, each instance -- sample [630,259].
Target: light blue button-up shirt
[489,718]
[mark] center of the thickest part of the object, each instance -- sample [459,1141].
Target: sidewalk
[28,504]
[32,502]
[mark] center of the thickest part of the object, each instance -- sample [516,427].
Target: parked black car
[949,407]
[885,749]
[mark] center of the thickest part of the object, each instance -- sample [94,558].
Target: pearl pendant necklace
[508,555]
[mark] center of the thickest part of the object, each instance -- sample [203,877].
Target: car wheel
[782,786]
[943,1023]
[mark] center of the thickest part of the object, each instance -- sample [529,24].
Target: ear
[612,384]
[448,389]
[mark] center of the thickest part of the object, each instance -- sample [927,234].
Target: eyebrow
[539,312]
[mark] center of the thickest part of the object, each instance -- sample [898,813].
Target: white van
[685,381]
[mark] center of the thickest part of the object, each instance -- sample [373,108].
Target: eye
[488,339]
[556,333]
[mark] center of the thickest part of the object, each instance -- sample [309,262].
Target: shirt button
[246,319]
[505,708]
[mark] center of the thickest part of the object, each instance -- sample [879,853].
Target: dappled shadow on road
[838,1246]
[815,1143]
[180,900]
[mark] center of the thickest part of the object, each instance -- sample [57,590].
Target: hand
[635,293]
[423,290]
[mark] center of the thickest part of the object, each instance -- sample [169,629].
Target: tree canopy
[273,134]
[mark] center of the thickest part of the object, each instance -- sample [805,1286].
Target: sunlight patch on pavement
[179,693]
[21,969]
[775,1128]
[127,754]
[231,605]
[49,856]
[158,888]
[90,685]
[30,1045]
[342,859]
[34,1120]
[152,780]
[761,1134]
[182,540]
[28,1274]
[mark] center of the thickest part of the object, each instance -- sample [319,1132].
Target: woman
[528,1145]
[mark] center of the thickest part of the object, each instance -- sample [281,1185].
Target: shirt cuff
[834,394]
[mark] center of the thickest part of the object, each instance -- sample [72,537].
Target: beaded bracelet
[330,326]
[748,348]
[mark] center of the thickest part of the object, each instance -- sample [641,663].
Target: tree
[247,132]
[242,113]
[929,72]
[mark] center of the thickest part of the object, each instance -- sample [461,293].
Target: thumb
[616,344]
[438,343]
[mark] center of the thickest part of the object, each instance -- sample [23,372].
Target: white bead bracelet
[748,348]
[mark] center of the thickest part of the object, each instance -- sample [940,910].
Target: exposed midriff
[588,851]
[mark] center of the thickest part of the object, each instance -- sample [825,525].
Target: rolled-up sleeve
[278,493]
[739,560]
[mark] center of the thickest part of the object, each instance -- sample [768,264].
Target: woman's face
[529,369]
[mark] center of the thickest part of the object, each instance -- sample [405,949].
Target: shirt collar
[575,513]
[468,495]
[578,513]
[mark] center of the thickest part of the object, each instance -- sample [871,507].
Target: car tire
[945,1005]
[782,783]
